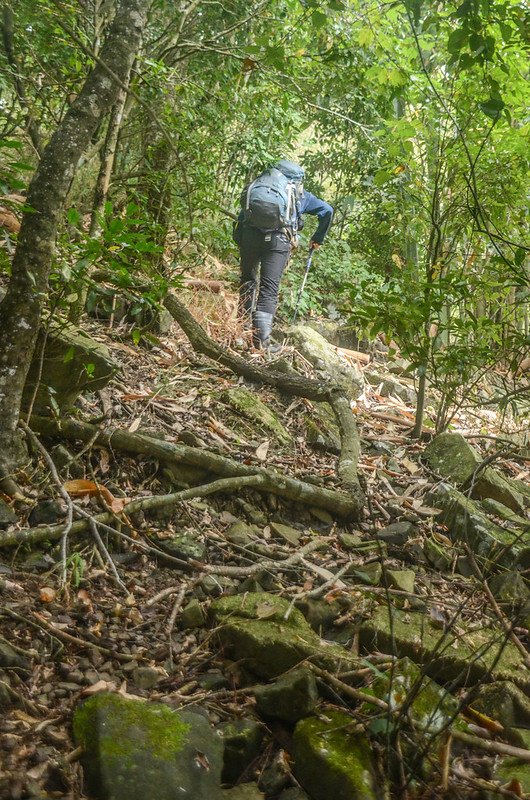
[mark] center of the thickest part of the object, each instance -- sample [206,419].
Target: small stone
[239,533]
[185,546]
[7,515]
[215,586]
[47,512]
[350,541]
[285,532]
[192,615]
[398,533]
[212,680]
[439,557]
[322,515]
[402,579]
[145,677]
[91,676]
[76,676]
[276,775]
[290,698]
[242,741]
[370,574]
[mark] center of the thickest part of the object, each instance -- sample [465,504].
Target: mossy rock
[73,362]
[322,431]
[432,708]
[504,702]
[325,359]
[253,629]
[474,658]
[453,458]
[250,406]
[145,751]
[242,742]
[467,522]
[292,697]
[333,761]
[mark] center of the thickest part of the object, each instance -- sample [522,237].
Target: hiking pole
[302,287]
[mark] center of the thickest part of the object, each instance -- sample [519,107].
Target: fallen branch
[289,383]
[202,343]
[53,532]
[271,482]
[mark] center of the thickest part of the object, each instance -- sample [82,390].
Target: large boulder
[268,637]
[72,363]
[331,760]
[145,751]
[325,359]
[452,457]
[457,654]
[466,522]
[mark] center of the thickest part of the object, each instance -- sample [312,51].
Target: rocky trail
[222,583]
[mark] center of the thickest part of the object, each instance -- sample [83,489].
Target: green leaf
[73,216]
[381,177]
[492,107]
[319,19]
[457,40]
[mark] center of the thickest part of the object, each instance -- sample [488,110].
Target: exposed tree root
[202,343]
[288,383]
[271,482]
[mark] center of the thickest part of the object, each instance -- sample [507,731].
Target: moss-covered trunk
[21,309]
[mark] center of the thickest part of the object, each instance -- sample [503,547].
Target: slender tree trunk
[101,191]
[21,309]
[9,48]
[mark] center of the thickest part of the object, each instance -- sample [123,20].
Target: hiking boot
[261,332]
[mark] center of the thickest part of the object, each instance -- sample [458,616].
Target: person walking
[266,231]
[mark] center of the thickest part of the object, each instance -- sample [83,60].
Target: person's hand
[314,245]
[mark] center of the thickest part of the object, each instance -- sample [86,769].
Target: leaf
[47,594]
[135,425]
[80,487]
[262,450]
[492,107]
[265,610]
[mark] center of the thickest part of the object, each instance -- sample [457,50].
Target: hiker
[266,231]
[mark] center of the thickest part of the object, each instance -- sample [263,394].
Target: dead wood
[271,482]
[202,343]
[288,383]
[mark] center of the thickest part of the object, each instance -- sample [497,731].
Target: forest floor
[94,633]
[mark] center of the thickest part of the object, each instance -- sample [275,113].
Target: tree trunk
[21,309]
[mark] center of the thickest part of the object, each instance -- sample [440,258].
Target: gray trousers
[264,257]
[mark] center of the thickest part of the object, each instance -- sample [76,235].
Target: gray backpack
[271,201]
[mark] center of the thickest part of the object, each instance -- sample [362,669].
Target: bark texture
[337,503]
[21,309]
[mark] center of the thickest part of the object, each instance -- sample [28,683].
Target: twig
[162,595]
[349,691]
[48,627]
[499,748]
[62,491]
[508,628]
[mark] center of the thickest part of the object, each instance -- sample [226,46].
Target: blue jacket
[310,204]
